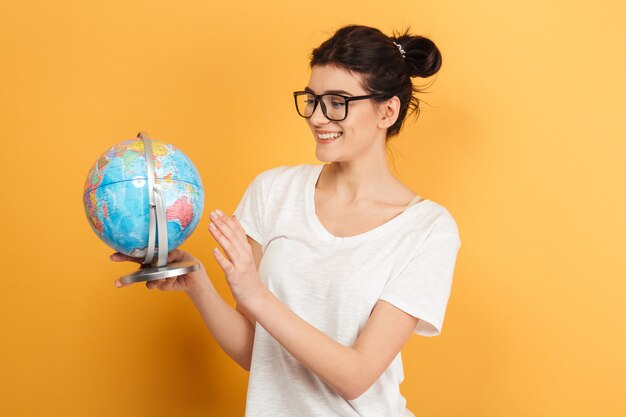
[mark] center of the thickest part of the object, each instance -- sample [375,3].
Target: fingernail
[213,215]
[219,212]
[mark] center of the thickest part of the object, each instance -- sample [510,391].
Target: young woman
[333,266]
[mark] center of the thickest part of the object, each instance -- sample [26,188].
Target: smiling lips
[328,136]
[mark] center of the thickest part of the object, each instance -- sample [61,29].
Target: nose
[318,117]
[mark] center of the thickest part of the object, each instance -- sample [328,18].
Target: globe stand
[154,268]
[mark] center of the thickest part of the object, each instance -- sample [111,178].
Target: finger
[238,231]
[224,263]
[154,284]
[240,228]
[230,223]
[237,224]
[121,257]
[175,256]
[237,234]
[167,284]
[119,284]
[222,220]
[219,231]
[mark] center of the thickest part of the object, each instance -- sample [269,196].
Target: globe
[117,202]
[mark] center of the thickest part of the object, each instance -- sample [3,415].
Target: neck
[352,181]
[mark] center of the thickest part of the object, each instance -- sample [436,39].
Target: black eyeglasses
[334,106]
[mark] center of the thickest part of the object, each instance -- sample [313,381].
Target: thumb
[175,256]
[119,284]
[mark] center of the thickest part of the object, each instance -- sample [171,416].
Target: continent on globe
[182,211]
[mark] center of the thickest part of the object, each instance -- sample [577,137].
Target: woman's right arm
[233,329]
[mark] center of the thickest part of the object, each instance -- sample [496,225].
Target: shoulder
[286,170]
[442,222]
[284,173]
[445,221]
[279,180]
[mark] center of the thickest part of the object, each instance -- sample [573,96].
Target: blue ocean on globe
[116,199]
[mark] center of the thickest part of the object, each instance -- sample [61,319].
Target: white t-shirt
[333,283]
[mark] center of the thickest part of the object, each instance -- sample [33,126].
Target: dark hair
[385,72]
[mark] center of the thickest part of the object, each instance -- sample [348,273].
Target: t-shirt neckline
[325,234]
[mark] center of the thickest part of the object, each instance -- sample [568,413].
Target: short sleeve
[251,208]
[422,288]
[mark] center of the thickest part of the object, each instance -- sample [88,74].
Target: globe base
[152,273]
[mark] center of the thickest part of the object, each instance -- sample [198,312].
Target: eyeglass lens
[334,107]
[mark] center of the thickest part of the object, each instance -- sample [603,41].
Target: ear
[389,111]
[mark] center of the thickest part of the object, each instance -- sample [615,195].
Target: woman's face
[359,131]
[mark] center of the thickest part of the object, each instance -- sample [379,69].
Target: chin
[324,157]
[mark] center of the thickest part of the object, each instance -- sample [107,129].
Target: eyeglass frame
[318,99]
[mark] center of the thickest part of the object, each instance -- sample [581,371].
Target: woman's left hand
[239,265]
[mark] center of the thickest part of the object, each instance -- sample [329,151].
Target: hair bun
[423,58]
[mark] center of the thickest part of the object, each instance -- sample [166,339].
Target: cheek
[362,118]
[359,132]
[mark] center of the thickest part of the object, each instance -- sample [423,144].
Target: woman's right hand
[188,282]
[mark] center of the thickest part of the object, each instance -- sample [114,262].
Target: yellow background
[521,137]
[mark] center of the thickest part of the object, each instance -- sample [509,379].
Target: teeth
[329,135]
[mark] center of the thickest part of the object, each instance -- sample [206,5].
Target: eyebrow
[308,90]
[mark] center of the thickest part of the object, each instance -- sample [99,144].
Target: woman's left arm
[349,370]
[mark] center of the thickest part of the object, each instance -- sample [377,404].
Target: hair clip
[400,49]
